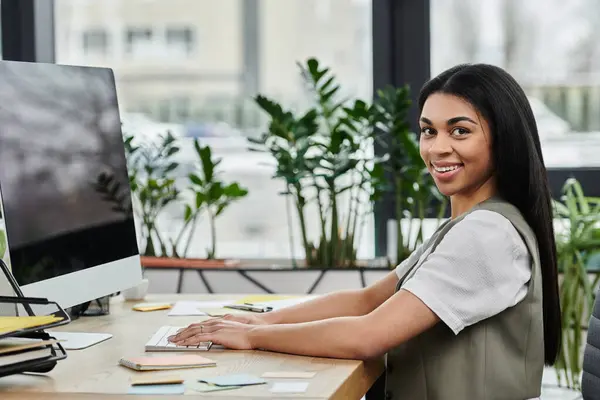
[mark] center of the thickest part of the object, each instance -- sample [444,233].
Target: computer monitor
[64,183]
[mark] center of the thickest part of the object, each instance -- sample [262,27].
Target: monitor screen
[63,175]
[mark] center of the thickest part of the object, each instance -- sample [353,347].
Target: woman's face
[456,145]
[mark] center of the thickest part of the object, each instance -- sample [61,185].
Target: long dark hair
[519,166]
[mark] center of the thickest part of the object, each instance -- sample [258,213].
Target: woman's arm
[343,303]
[397,320]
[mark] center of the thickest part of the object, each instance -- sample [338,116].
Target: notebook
[21,356]
[15,344]
[165,363]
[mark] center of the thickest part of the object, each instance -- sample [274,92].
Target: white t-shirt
[480,268]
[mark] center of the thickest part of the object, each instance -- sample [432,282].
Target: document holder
[19,305]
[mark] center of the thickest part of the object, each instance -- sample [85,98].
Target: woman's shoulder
[489,229]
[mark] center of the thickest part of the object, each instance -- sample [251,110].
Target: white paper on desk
[186,307]
[279,304]
[289,387]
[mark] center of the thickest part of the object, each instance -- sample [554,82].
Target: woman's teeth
[446,169]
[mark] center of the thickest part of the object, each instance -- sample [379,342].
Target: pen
[250,307]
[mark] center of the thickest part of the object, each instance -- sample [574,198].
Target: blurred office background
[192,67]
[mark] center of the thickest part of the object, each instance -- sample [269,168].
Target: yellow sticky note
[156,380]
[151,306]
[263,298]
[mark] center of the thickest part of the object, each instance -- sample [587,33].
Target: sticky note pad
[157,389]
[289,387]
[151,306]
[156,380]
[234,380]
[206,387]
[289,374]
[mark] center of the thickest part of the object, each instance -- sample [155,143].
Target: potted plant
[414,191]
[577,242]
[154,172]
[324,155]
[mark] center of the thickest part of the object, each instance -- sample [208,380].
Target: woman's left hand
[231,334]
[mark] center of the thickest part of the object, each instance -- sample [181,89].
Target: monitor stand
[79,340]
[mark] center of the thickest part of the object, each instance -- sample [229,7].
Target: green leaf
[234,190]
[188,213]
[221,208]
[196,180]
[171,167]
[200,199]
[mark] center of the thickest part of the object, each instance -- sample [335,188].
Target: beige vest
[501,357]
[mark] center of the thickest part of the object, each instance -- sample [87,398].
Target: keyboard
[160,342]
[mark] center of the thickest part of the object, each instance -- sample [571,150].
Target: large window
[193,67]
[550,46]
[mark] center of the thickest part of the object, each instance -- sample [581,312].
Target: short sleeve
[480,268]
[404,266]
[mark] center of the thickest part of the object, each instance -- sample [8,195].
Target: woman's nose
[442,144]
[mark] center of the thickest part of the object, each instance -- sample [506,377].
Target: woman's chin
[447,190]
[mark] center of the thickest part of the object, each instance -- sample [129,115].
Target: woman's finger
[201,337]
[211,321]
[186,333]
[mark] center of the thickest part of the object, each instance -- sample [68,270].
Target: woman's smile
[445,171]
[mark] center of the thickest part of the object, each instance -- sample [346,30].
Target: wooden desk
[94,370]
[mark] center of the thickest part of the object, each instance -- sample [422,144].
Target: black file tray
[44,363]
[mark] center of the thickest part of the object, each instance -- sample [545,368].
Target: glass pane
[194,66]
[550,47]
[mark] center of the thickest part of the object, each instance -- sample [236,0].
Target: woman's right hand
[246,318]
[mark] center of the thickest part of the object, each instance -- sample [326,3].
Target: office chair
[590,381]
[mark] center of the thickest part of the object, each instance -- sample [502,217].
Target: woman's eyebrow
[451,121]
[455,120]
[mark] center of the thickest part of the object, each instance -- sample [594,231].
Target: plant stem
[288,212]
[149,248]
[213,235]
[399,237]
[191,235]
[348,243]
[334,225]
[300,202]
[324,257]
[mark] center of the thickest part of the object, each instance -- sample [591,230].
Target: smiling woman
[472,313]
[457,149]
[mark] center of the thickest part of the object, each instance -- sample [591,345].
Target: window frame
[28,30]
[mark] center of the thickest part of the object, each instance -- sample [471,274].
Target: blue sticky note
[234,380]
[157,389]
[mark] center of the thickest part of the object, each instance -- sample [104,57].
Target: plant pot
[193,263]
[137,292]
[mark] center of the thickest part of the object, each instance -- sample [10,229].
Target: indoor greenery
[577,240]
[210,194]
[155,181]
[324,156]
[151,166]
[416,196]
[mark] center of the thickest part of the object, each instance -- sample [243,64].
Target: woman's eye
[426,131]
[459,131]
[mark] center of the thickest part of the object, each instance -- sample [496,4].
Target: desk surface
[95,371]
